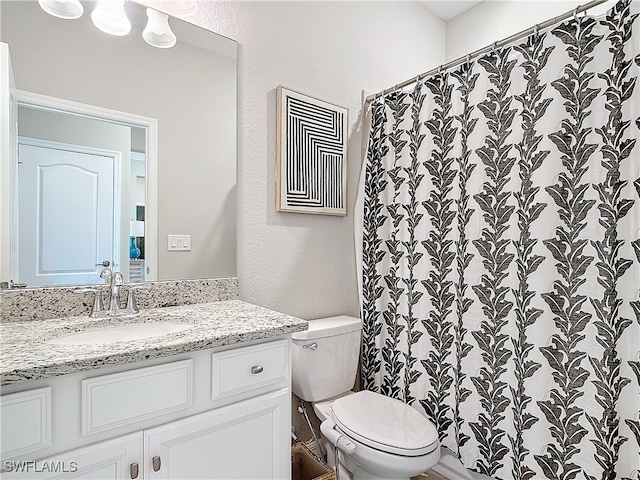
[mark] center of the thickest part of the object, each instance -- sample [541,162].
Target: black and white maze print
[314,155]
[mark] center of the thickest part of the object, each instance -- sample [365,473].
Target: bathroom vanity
[209,401]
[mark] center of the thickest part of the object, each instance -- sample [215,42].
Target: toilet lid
[384,423]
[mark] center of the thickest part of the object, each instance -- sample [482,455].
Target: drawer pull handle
[256,369]
[311,346]
[156,463]
[133,470]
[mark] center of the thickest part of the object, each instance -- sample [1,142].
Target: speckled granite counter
[17,305]
[26,355]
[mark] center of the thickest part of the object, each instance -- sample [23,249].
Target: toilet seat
[385,424]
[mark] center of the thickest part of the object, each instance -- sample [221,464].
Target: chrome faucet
[116,308]
[106,274]
[114,302]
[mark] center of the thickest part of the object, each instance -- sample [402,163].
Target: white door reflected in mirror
[83,178]
[67,214]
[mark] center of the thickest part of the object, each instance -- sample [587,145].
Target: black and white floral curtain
[501,253]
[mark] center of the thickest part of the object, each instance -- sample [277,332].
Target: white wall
[490,21]
[300,264]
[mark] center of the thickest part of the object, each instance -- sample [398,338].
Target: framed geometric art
[312,155]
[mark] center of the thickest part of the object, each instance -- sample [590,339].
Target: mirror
[189,91]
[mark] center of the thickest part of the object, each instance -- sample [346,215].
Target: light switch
[179,243]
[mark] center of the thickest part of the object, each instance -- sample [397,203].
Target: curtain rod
[487,49]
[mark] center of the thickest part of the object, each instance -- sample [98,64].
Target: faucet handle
[132,305]
[98,307]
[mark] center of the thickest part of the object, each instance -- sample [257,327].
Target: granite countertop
[25,354]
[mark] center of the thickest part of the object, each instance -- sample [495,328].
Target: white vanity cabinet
[242,440]
[115,459]
[214,414]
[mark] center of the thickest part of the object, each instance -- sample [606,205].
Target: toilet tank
[325,357]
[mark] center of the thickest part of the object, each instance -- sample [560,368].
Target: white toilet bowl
[323,411]
[380,437]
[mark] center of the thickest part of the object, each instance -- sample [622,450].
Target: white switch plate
[179,243]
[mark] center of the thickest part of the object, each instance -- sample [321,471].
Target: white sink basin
[120,333]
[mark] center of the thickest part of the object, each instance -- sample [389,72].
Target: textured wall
[491,21]
[300,264]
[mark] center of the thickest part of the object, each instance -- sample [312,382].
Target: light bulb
[179,8]
[109,16]
[158,32]
[67,9]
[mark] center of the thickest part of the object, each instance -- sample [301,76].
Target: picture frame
[311,154]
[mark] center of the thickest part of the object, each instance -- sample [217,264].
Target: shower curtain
[500,278]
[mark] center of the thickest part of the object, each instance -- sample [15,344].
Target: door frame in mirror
[46,102]
[7,131]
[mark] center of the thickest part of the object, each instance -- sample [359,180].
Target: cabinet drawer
[242,369]
[111,401]
[26,422]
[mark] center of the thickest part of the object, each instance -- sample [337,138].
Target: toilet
[377,437]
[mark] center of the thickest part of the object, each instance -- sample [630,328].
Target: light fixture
[136,228]
[179,8]
[67,9]
[157,32]
[109,16]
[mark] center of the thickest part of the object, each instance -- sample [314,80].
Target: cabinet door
[113,459]
[248,439]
